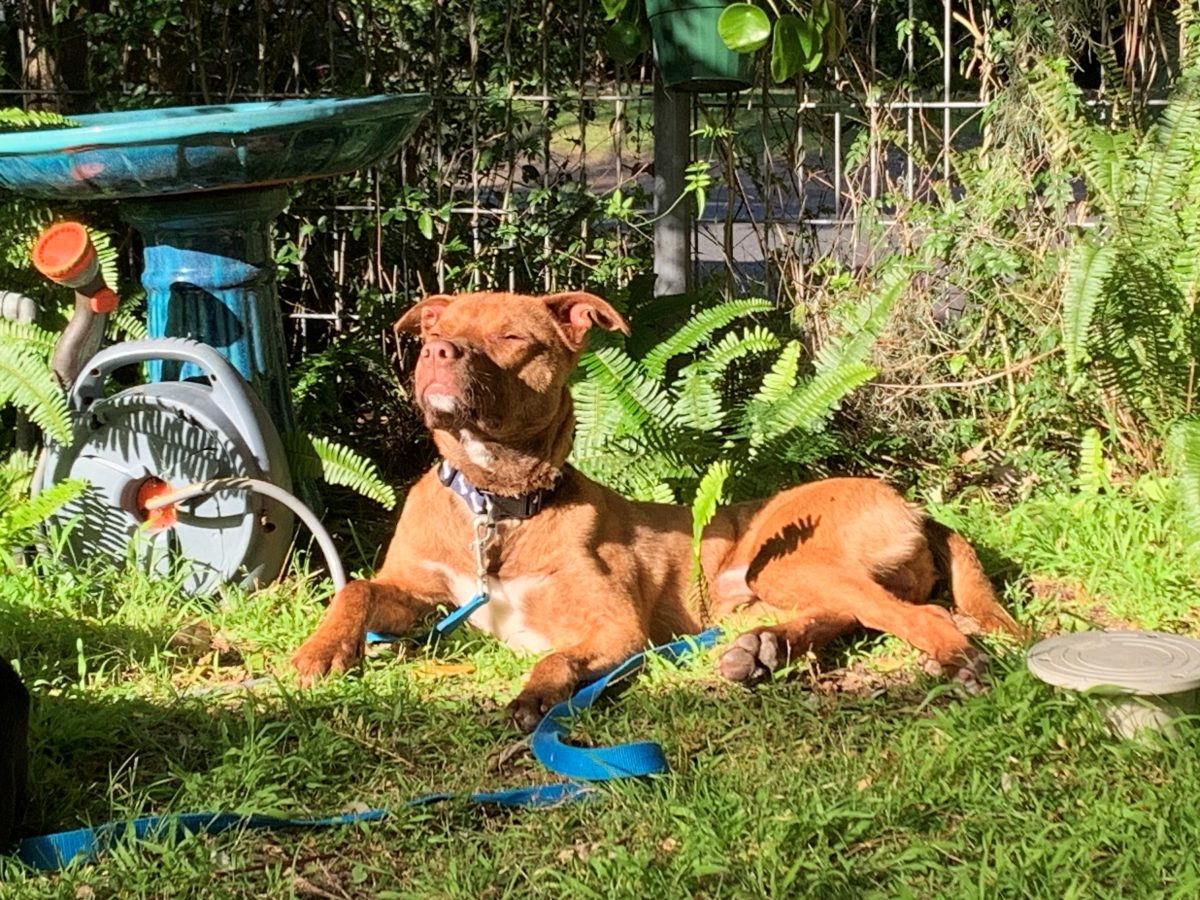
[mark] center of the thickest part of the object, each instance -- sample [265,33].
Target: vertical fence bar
[673,223]
[872,104]
[909,112]
[946,75]
[474,100]
[547,249]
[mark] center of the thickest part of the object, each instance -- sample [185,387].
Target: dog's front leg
[359,607]
[554,678]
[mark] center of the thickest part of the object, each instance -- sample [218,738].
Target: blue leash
[50,852]
[55,851]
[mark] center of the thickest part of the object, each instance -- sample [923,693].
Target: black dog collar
[480,502]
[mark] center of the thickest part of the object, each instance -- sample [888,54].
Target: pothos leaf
[744,27]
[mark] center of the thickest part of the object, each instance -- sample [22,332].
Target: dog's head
[496,365]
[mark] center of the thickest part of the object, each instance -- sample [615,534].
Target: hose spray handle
[65,254]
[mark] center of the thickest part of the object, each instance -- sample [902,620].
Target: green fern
[1095,470]
[106,256]
[654,435]
[753,341]
[858,323]
[623,382]
[780,381]
[807,409]
[317,457]
[30,336]
[11,118]
[128,325]
[27,382]
[20,513]
[698,330]
[1129,298]
[1184,447]
[709,495]
[19,519]
[1088,269]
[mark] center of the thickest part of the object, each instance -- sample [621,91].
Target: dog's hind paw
[753,657]
[967,673]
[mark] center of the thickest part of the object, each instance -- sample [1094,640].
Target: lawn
[854,779]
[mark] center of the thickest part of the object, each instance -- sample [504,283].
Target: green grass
[901,789]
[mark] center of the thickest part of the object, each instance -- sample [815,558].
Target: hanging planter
[688,51]
[811,33]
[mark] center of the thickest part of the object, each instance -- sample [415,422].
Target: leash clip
[485,534]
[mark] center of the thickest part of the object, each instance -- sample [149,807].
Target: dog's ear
[576,311]
[423,316]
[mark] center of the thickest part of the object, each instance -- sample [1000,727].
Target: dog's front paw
[531,705]
[753,657]
[966,669]
[325,653]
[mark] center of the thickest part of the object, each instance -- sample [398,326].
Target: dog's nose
[439,351]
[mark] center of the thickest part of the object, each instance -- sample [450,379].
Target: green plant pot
[688,52]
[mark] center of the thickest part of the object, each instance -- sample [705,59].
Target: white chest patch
[476,450]
[503,615]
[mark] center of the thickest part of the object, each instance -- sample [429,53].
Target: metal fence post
[673,222]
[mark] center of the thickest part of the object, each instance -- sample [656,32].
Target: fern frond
[622,381]
[708,497]
[1139,339]
[1114,83]
[29,335]
[27,382]
[1184,450]
[857,325]
[106,256]
[122,322]
[1171,152]
[16,474]
[699,329]
[734,346]
[807,408]
[1088,269]
[1095,472]
[698,401]
[20,518]
[779,383]
[311,457]
[11,118]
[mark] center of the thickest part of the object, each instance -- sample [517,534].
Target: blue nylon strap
[444,626]
[606,763]
[54,851]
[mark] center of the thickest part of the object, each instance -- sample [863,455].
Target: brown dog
[585,577]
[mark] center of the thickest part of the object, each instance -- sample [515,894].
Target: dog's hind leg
[970,589]
[827,601]
[359,607]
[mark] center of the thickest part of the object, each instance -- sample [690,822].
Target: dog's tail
[970,588]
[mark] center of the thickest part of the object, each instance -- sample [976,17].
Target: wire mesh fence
[510,182]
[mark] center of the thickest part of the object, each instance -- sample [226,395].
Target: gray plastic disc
[1118,662]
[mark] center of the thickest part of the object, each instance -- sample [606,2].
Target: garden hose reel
[147,441]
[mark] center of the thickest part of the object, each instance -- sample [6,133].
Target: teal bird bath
[203,185]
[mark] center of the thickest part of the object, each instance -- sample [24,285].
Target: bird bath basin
[202,185]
